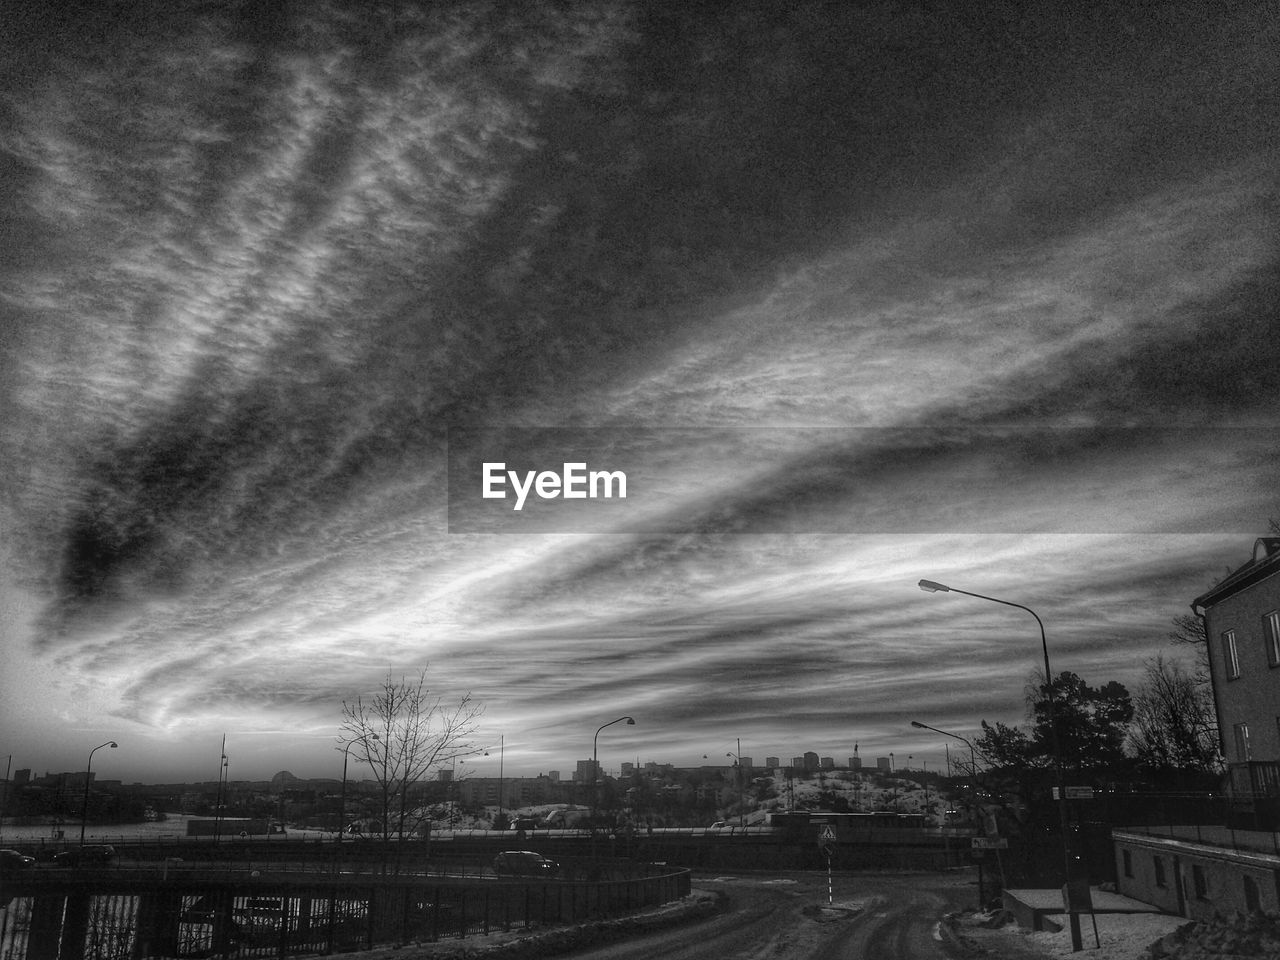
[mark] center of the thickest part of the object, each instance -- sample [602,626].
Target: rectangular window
[1230,658]
[1159,865]
[1127,857]
[1241,731]
[1252,899]
[1271,637]
[1200,882]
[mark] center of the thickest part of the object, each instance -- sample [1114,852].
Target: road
[787,917]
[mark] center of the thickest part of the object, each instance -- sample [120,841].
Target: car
[524,863]
[13,860]
[92,853]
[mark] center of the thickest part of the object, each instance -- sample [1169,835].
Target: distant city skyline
[565,771]
[985,297]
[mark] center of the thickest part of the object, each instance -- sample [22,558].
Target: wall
[1223,874]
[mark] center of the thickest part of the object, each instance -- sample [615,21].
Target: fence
[110,916]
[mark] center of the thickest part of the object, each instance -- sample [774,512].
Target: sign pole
[826,837]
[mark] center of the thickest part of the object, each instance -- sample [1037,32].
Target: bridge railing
[110,915]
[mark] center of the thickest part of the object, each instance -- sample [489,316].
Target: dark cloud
[260,265]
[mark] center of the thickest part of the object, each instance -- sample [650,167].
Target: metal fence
[114,917]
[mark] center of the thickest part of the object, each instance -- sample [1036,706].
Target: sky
[854,295]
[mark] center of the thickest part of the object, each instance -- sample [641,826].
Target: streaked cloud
[999,285]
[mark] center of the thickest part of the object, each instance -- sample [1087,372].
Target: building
[1198,870]
[855,763]
[512,792]
[884,763]
[1242,627]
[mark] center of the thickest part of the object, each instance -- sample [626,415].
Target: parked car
[524,863]
[13,860]
[92,853]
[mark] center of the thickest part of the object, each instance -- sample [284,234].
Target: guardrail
[115,915]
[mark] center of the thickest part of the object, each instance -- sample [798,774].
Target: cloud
[866,296]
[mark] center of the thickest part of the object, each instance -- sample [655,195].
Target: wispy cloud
[976,298]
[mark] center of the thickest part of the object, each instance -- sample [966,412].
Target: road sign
[827,833]
[989,843]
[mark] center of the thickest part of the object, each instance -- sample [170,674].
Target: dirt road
[787,917]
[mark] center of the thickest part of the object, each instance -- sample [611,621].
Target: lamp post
[342,803]
[973,762]
[932,586]
[595,769]
[88,773]
[223,764]
[893,775]
[742,787]
[4,797]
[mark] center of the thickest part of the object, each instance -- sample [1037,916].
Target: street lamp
[742,786]
[88,773]
[4,797]
[342,804]
[595,767]
[223,771]
[932,586]
[973,763]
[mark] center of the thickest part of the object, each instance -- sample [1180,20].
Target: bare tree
[403,732]
[1174,729]
[1188,630]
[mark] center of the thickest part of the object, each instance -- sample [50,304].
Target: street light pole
[88,773]
[742,787]
[595,769]
[973,762]
[4,797]
[342,809]
[932,586]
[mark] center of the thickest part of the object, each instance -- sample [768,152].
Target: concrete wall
[1199,881]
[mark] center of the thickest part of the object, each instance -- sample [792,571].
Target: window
[1241,731]
[1127,856]
[1230,657]
[1200,882]
[1252,900]
[1159,865]
[1271,637]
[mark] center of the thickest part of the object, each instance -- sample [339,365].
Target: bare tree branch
[403,733]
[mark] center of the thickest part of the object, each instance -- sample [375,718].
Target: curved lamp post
[342,804]
[973,762]
[88,771]
[932,586]
[595,768]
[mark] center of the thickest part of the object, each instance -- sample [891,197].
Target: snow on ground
[1123,936]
